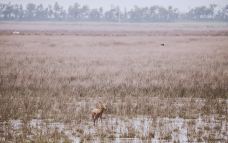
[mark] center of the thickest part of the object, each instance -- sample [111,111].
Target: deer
[98,111]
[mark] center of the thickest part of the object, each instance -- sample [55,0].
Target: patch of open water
[137,129]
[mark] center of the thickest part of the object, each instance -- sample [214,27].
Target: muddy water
[136,129]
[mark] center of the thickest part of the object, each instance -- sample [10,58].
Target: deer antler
[99,104]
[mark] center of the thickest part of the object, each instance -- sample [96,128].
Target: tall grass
[63,77]
[38,78]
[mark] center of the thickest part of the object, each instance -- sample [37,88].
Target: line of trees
[76,12]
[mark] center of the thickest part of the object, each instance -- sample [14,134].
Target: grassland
[51,73]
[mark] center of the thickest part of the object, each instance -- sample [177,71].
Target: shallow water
[136,129]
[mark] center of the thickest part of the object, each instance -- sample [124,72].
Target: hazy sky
[182,5]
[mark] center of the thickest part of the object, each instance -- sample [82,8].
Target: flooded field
[160,82]
[122,129]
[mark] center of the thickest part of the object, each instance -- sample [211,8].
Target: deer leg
[93,117]
[101,118]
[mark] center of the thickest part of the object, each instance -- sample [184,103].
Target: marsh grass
[61,77]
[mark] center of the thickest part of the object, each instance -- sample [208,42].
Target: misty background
[115,10]
[182,5]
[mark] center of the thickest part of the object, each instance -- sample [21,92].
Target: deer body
[97,112]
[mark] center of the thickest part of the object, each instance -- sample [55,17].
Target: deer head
[101,105]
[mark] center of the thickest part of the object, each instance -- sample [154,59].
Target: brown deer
[98,111]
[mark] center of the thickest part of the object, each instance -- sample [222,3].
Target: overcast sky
[182,5]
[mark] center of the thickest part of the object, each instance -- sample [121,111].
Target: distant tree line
[76,12]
